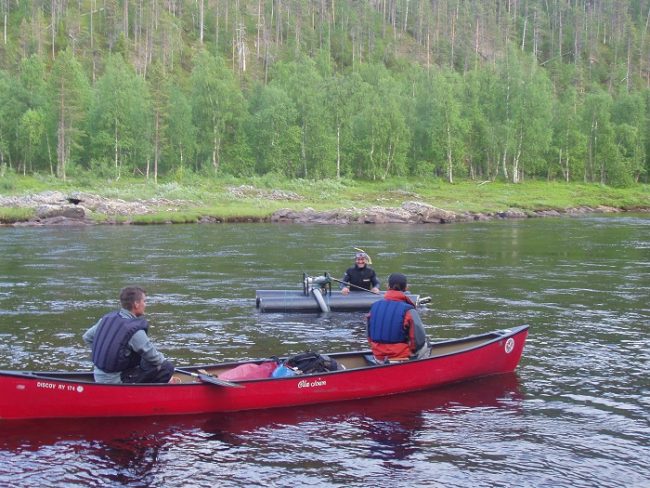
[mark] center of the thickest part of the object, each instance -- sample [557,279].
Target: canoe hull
[36,395]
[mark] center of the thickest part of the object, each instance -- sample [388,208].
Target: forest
[482,90]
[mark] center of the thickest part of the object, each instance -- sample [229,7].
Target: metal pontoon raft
[317,296]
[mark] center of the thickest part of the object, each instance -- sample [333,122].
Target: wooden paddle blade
[216,381]
[206,378]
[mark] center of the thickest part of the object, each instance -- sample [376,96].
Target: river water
[576,412]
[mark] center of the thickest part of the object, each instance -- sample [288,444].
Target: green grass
[9,215]
[230,199]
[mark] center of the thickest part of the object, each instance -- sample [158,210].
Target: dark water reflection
[576,413]
[384,433]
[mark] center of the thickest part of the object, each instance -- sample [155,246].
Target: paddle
[206,378]
[354,286]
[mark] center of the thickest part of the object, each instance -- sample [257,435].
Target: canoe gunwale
[480,340]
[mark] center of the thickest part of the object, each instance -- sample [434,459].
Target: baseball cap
[397,279]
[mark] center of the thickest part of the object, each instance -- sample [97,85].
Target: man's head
[361,259]
[133,298]
[397,281]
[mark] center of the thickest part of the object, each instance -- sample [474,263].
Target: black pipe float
[297,301]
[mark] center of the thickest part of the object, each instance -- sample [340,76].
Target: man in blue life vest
[121,350]
[360,276]
[395,330]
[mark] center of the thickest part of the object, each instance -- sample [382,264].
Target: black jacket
[362,277]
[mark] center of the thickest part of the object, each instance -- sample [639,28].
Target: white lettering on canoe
[54,386]
[510,345]
[308,384]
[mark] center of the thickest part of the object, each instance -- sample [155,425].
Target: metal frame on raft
[317,296]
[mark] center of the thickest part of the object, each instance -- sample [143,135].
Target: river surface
[576,413]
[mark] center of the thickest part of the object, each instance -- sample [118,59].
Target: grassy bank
[253,199]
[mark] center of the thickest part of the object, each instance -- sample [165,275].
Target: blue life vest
[386,324]
[111,351]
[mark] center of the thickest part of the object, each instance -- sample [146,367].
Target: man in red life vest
[395,330]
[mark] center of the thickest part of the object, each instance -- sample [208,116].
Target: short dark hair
[131,294]
[397,281]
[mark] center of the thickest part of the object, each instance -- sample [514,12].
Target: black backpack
[311,362]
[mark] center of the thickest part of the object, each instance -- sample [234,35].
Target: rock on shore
[57,208]
[415,213]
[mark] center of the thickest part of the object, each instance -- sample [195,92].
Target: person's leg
[165,372]
[423,352]
[146,374]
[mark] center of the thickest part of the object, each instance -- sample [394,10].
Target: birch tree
[217,106]
[274,132]
[70,93]
[120,118]
[596,123]
[180,131]
[305,86]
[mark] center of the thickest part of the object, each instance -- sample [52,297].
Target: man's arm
[417,335]
[141,344]
[374,280]
[345,289]
[89,335]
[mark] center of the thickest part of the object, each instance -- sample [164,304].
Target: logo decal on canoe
[59,387]
[311,384]
[510,345]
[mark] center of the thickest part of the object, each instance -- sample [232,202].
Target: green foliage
[218,107]
[68,104]
[273,132]
[120,118]
[327,90]
[14,215]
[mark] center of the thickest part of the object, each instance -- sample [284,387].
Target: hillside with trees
[506,90]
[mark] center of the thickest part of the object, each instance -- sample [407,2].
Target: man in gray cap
[395,329]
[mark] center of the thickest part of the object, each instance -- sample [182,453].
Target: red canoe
[31,395]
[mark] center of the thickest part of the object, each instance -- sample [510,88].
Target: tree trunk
[390,157]
[450,166]
[303,149]
[61,139]
[454,21]
[49,154]
[201,20]
[117,168]
[259,26]
[641,50]
[92,11]
[125,25]
[338,151]
[156,148]
[216,143]
[53,19]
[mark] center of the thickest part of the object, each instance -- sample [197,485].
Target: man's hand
[345,290]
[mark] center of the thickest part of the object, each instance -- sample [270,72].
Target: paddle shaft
[353,286]
[206,378]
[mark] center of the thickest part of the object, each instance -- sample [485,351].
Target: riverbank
[51,202]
